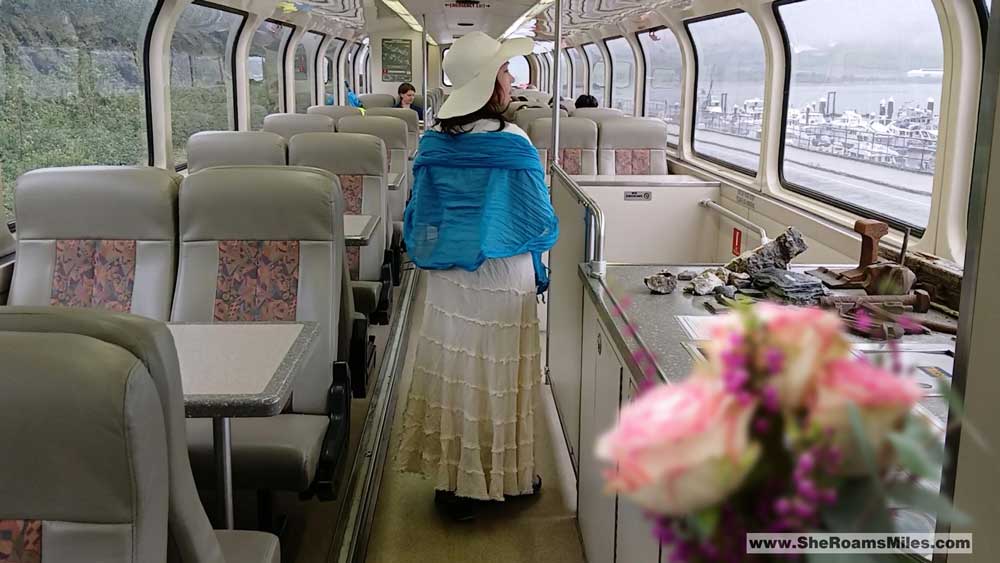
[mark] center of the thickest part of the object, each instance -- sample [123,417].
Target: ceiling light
[404,14]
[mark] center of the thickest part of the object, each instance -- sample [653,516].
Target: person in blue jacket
[477,223]
[406,95]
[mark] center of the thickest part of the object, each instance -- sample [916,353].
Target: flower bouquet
[780,430]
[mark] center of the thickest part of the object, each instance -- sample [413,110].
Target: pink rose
[882,400]
[797,343]
[680,448]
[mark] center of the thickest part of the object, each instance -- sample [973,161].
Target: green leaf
[861,441]
[912,454]
[954,401]
[861,507]
[705,522]
[912,495]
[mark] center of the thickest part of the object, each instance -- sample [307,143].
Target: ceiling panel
[347,12]
[492,17]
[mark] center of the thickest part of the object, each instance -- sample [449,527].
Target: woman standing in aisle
[478,221]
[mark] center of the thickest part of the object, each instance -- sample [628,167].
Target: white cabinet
[634,541]
[599,400]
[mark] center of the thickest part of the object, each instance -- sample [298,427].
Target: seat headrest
[234,148]
[62,203]
[391,130]
[94,408]
[523,117]
[633,133]
[339,153]
[406,114]
[334,112]
[259,203]
[290,124]
[377,100]
[574,132]
[598,114]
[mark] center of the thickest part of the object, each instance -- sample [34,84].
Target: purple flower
[774,359]
[770,399]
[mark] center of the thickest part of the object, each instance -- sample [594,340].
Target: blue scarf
[475,197]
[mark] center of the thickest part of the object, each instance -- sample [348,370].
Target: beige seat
[290,124]
[221,148]
[189,535]
[524,117]
[577,143]
[632,146]
[407,115]
[334,112]
[96,236]
[377,100]
[598,114]
[265,244]
[393,132]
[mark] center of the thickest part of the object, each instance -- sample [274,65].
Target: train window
[331,82]
[565,75]
[361,62]
[265,70]
[71,86]
[349,66]
[444,75]
[579,73]
[596,62]
[664,68]
[729,106]
[622,74]
[519,69]
[544,84]
[305,57]
[861,126]
[201,73]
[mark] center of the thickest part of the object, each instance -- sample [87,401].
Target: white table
[396,180]
[642,181]
[358,229]
[233,370]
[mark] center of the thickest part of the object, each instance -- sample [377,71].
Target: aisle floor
[408,528]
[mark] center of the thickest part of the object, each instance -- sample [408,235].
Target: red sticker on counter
[737,242]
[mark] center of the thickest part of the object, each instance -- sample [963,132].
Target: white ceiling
[493,17]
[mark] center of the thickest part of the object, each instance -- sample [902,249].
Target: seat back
[632,146]
[96,236]
[334,112]
[598,114]
[359,161]
[231,148]
[524,117]
[377,100]
[577,143]
[290,124]
[84,471]
[393,133]
[264,244]
[418,100]
[407,115]
[191,538]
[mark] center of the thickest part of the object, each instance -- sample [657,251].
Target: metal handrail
[736,218]
[594,250]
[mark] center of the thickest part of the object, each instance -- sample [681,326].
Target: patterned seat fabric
[577,143]
[100,237]
[632,146]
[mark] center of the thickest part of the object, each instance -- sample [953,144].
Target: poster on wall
[397,57]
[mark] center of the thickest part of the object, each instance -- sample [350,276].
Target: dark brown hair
[404,88]
[494,109]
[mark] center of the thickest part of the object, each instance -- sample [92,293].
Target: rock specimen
[663,283]
[776,254]
[727,291]
[790,287]
[686,275]
[706,282]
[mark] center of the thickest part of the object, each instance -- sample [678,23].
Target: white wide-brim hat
[472,64]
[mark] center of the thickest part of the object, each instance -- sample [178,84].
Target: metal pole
[556,71]
[223,444]
[425,52]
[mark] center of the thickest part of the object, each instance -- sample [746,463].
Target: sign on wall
[397,60]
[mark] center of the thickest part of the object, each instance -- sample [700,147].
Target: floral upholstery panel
[21,541]
[257,281]
[352,186]
[633,162]
[94,273]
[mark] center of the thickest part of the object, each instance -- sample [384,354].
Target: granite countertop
[241,369]
[674,351]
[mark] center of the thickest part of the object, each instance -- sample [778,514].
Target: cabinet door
[599,408]
[634,542]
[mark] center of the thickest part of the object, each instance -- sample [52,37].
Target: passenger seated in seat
[406,95]
[586,101]
[479,339]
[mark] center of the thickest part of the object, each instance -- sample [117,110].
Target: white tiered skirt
[469,420]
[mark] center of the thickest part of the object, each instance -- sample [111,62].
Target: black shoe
[442,498]
[536,484]
[462,509]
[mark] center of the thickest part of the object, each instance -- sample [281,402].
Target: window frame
[573,62]
[611,67]
[645,66]
[810,193]
[694,110]
[283,86]
[147,90]
[566,63]
[445,81]
[317,77]
[590,66]
[333,73]
[232,63]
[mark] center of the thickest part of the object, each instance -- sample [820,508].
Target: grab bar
[594,250]
[736,219]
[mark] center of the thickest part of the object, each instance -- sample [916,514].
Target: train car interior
[210,316]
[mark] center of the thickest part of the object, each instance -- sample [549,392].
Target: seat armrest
[333,456]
